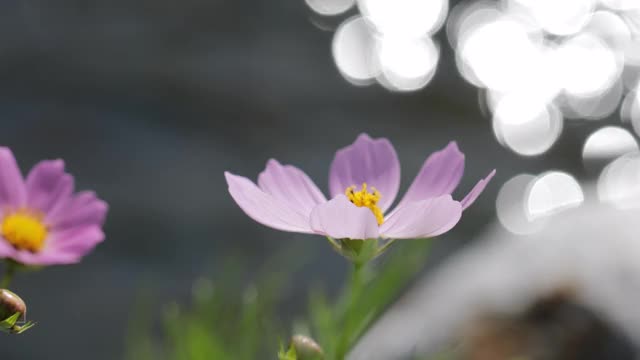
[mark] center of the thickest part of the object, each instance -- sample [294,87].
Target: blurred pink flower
[363,181]
[42,222]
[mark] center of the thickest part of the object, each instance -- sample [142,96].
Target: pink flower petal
[420,219]
[290,185]
[367,160]
[12,188]
[45,258]
[48,185]
[340,219]
[440,175]
[476,191]
[77,241]
[84,209]
[265,208]
[6,249]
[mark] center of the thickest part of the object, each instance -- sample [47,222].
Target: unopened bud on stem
[306,348]
[10,303]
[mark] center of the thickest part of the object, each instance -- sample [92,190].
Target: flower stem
[10,270]
[351,326]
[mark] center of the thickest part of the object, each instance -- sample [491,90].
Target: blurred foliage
[225,321]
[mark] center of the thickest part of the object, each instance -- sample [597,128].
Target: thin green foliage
[225,321]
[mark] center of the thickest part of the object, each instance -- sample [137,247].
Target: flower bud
[10,303]
[306,348]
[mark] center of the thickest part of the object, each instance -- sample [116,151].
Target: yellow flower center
[24,230]
[364,198]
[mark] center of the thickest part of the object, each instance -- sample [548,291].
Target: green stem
[350,327]
[10,270]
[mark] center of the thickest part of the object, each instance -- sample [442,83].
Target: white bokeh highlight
[619,182]
[526,126]
[552,192]
[609,142]
[407,64]
[405,18]
[389,42]
[511,206]
[330,7]
[353,51]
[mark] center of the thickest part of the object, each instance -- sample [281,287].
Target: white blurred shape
[630,110]
[354,50]
[587,66]
[492,99]
[469,15]
[593,250]
[559,17]
[594,108]
[619,182]
[500,53]
[330,7]
[511,206]
[632,52]
[409,18]
[609,142]
[526,125]
[621,4]
[407,64]
[552,192]
[611,28]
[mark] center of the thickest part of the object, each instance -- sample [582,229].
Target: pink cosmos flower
[363,183]
[42,222]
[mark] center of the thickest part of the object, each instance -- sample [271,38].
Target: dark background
[150,101]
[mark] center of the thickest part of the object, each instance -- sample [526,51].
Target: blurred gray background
[149,102]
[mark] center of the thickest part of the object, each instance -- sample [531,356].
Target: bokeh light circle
[500,53]
[587,65]
[611,28]
[330,7]
[354,51]
[623,5]
[526,126]
[511,206]
[558,17]
[407,18]
[608,143]
[596,107]
[407,64]
[552,192]
[619,182]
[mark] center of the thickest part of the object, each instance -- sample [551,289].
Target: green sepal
[10,322]
[289,354]
[360,252]
[9,326]
[22,328]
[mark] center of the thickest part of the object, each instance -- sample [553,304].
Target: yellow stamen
[364,198]
[24,230]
